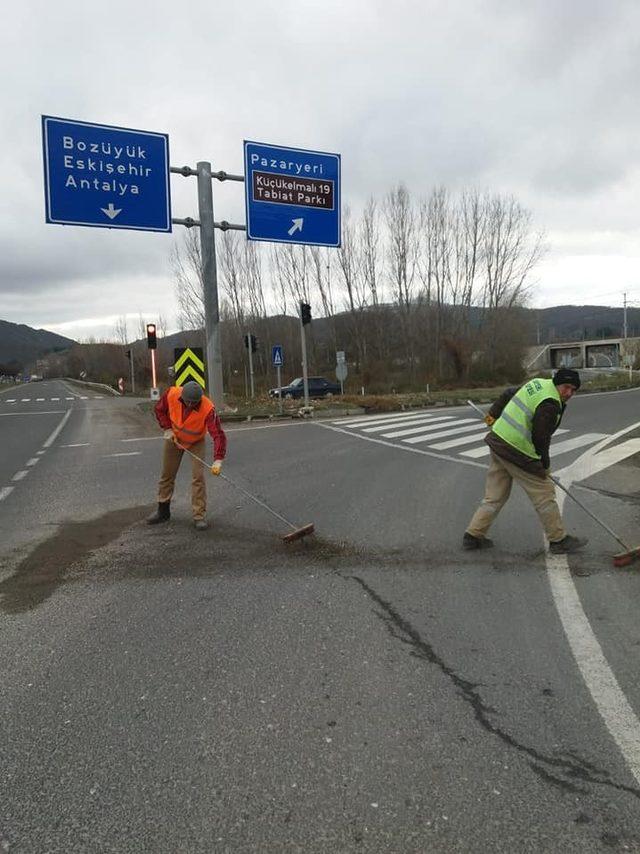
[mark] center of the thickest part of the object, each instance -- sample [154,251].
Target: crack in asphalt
[571,765]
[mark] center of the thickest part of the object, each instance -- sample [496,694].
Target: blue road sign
[105,176]
[276,356]
[292,195]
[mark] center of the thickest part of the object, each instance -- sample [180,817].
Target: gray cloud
[536,99]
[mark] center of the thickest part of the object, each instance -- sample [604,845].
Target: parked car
[318,387]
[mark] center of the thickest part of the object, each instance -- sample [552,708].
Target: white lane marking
[33,461]
[98,397]
[410,422]
[431,454]
[10,400]
[69,398]
[127,454]
[55,398]
[25,400]
[39,453]
[19,475]
[83,397]
[476,453]
[301,423]
[40,399]
[33,412]
[227,430]
[364,420]
[601,459]
[5,491]
[610,700]
[54,435]
[77,445]
[415,440]
[429,428]
[615,710]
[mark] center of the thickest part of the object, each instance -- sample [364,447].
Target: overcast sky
[536,99]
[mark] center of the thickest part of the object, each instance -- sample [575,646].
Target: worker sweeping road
[186,415]
[522,422]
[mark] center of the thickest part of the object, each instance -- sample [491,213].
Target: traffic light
[305,313]
[251,340]
[152,343]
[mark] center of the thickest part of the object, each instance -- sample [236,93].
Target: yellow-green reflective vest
[514,425]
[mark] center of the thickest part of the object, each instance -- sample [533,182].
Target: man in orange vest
[186,415]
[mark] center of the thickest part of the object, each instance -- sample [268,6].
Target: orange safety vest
[188,425]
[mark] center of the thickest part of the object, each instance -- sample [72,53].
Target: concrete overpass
[599,353]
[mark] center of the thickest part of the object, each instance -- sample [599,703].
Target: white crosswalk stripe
[368,420]
[447,432]
[413,426]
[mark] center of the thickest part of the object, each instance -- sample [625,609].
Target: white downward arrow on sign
[110,211]
[297,226]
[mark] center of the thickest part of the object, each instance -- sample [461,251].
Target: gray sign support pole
[210,282]
[279,381]
[248,340]
[133,376]
[209,267]
[305,377]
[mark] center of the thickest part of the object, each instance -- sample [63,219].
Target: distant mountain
[581,323]
[20,343]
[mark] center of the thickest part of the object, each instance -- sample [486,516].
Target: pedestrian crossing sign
[189,365]
[276,356]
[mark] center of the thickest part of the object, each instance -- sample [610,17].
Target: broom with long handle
[296,533]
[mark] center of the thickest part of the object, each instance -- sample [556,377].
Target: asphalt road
[373,688]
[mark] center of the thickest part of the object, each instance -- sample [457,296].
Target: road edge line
[48,442]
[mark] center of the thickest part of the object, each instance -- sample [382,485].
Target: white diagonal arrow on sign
[297,226]
[111,211]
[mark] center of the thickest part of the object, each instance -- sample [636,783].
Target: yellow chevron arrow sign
[189,365]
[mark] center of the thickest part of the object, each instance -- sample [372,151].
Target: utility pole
[624,325]
[249,341]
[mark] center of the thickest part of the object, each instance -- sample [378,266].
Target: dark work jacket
[545,423]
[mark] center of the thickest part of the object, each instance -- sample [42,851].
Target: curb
[101,386]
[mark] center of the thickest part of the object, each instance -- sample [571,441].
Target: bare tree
[370,248]
[252,272]
[511,251]
[186,265]
[121,330]
[232,280]
[402,257]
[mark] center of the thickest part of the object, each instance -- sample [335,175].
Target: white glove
[168,436]
[216,468]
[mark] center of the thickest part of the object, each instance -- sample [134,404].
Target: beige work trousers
[541,493]
[171,459]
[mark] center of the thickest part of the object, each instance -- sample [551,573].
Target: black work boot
[567,545]
[470,542]
[162,514]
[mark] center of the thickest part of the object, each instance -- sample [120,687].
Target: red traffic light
[151,336]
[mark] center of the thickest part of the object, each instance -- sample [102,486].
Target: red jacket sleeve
[162,412]
[217,434]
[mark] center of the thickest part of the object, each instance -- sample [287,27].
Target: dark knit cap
[568,376]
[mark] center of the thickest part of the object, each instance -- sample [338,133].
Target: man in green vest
[522,422]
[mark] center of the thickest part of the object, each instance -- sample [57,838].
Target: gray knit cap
[191,392]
